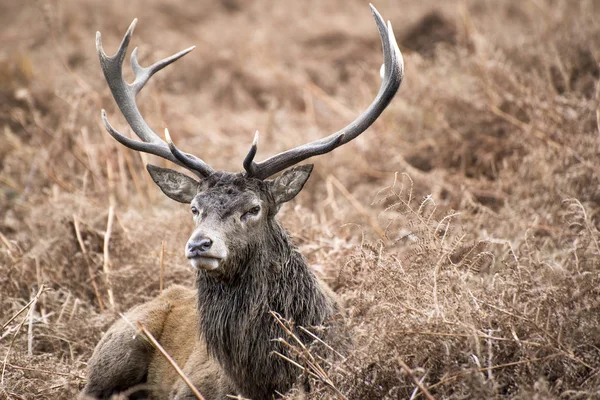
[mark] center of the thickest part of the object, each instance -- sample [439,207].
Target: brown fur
[147,368]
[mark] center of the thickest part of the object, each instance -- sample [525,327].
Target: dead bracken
[461,235]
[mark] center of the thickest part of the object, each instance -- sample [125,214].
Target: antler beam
[124,94]
[393,73]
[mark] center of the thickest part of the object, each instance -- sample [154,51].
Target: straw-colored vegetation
[461,231]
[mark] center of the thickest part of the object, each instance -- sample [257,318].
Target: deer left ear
[287,185]
[174,184]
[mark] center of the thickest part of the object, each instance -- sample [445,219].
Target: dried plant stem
[51,174]
[551,339]
[63,308]
[89,264]
[44,371]
[512,364]
[11,319]
[359,207]
[91,155]
[296,364]
[318,339]
[314,369]
[106,263]
[12,341]
[59,51]
[30,327]
[490,355]
[74,309]
[466,335]
[167,357]
[526,127]
[141,194]
[238,397]
[416,391]
[417,382]
[11,183]
[331,102]
[38,271]
[5,241]
[598,106]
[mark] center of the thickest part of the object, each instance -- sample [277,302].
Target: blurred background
[460,230]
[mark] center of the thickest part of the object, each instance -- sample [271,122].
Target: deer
[222,331]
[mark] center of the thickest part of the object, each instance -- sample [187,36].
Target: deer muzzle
[205,251]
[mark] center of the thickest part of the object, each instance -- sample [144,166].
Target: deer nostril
[205,244]
[197,247]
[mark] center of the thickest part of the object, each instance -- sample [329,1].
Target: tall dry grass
[461,231]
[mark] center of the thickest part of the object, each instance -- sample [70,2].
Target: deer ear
[287,185]
[174,184]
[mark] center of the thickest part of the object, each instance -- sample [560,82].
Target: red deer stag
[222,332]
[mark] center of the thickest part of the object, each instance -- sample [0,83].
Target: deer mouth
[205,262]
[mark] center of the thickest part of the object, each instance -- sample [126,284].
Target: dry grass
[461,231]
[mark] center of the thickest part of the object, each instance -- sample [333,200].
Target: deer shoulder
[122,358]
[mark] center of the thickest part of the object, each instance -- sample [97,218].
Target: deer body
[223,333]
[225,345]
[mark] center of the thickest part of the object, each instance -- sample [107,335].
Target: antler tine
[187,160]
[124,95]
[392,78]
[249,164]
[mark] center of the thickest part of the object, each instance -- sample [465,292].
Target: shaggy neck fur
[235,318]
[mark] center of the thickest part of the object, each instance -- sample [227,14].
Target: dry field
[461,231]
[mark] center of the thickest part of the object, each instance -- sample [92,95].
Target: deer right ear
[174,184]
[287,185]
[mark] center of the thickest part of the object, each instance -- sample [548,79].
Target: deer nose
[196,248]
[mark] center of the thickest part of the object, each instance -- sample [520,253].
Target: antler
[124,94]
[393,73]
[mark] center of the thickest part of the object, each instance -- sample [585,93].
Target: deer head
[233,212]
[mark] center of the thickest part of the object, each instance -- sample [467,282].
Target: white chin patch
[205,263]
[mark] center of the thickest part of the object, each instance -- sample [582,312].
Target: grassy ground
[461,231]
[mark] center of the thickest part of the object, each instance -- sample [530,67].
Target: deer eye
[251,212]
[194,211]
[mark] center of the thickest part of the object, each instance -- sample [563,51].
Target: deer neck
[235,317]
